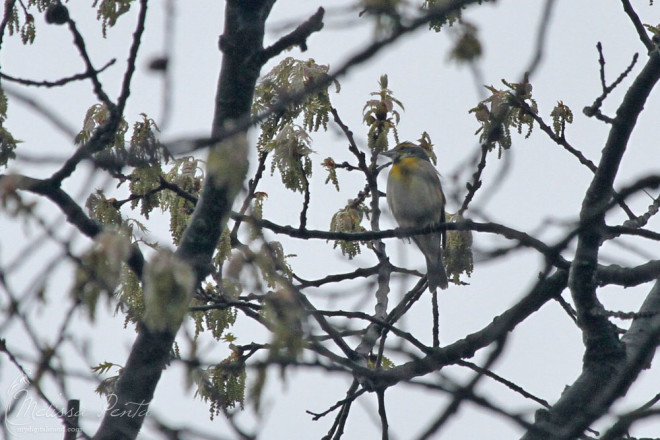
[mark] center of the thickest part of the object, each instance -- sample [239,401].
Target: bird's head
[405,150]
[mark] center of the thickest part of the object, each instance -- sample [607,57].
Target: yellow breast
[404,168]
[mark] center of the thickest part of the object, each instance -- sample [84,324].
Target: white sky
[544,185]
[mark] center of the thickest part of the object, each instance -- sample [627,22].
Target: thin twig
[463,393]
[384,426]
[306,199]
[59,82]
[516,388]
[476,180]
[132,57]
[91,71]
[436,318]
[352,397]
[594,109]
[39,108]
[241,124]
[358,273]
[252,187]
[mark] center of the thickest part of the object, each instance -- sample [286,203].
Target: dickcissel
[415,197]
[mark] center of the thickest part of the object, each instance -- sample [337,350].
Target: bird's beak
[390,154]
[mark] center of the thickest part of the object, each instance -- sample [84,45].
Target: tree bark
[241,44]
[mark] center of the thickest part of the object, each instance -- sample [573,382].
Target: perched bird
[415,196]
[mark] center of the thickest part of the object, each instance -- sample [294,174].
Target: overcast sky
[540,193]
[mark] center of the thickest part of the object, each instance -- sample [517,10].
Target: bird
[415,197]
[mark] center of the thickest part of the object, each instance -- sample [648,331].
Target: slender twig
[352,397]
[561,140]
[59,82]
[541,36]
[39,108]
[384,426]
[523,238]
[386,325]
[594,109]
[252,187]
[570,311]
[480,401]
[178,190]
[516,388]
[358,273]
[132,57]
[620,429]
[241,124]
[119,203]
[461,394]
[476,180]
[352,145]
[306,199]
[79,42]
[436,318]
[601,62]
[337,429]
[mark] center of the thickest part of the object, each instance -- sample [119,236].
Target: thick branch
[241,41]
[227,166]
[600,335]
[543,292]
[628,276]
[600,384]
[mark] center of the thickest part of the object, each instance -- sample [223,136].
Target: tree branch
[298,37]
[132,57]
[241,124]
[639,27]
[542,292]
[600,384]
[601,340]
[59,82]
[79,42]
[594,109]
[227,166]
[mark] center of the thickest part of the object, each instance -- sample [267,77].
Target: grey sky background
[540,193]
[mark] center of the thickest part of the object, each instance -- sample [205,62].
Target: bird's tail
[436,274]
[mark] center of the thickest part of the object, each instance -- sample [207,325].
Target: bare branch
[298,37]
[601,340]
[639,27]
[242,123]
[132,57]
[541,36]
[59,82]
[542,292]
[600,384]
[594,109]
[507,383]
[382,412]
[91,71]
[461,394]
[50,115]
